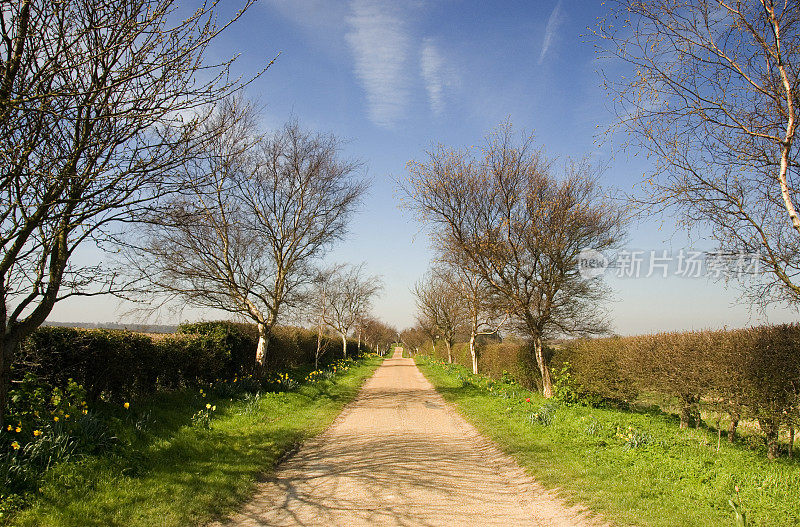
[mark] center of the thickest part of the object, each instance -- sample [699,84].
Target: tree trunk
[791,441]
[544,368]
[770,427]
[263,345]
[7,350]
[690,414]
[449,352]
[359,341]
[433,346]
[734,415]
[344,345]
[473,353]
[319,345]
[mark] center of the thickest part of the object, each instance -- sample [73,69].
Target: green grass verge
[632,468]
[177,474]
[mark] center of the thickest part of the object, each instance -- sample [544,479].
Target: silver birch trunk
[263,344]
[473,352]
[319,345]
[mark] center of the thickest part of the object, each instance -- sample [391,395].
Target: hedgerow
[122,365]
[751,373]
[75,390]
[742,374]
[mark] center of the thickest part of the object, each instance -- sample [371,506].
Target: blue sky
[393,77]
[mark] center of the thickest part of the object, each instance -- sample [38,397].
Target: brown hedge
[749,373]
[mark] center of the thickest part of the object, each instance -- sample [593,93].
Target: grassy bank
[191,456]
[633,468]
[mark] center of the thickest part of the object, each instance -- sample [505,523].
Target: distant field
[139,328]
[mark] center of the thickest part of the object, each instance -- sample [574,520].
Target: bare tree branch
[345,294]
[714,98]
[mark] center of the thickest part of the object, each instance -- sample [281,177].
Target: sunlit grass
[179,474]
[633,468]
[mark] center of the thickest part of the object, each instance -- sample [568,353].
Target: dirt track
[399,455]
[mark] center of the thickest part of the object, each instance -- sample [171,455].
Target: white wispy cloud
[550,31]
[380,44]
[436,74]
[311,14]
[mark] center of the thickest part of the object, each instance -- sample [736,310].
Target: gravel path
[399,455]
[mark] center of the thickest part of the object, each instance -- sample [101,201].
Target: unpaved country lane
[399,455]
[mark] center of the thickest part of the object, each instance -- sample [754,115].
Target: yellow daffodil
[55,418]
[15,445]
[208,406]
[37,433]
[126,405]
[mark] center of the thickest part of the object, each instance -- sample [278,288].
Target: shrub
[599,370]
[239,341]
[102,361]
[512,358]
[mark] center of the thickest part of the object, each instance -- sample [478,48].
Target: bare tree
[349,295]
[414,338]
[318,305]
[99,103]
[261,211]
[484,309]
[440,307]
[507,219]
[713,96]
[430,329]
[361,323]
[378,334]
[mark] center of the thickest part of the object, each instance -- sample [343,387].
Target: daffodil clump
[633,438]
[230,387]
[202,418]
[315,376]
[328,373]
[36,410]
[44,426]
[280,382]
